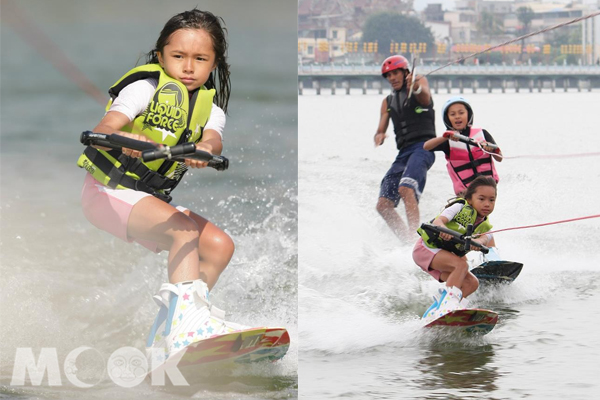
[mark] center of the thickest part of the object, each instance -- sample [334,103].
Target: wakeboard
[472,320]
[497,271]
[231,349]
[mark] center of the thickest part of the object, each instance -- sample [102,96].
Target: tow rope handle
[465,239]
[151,152]
[471,141]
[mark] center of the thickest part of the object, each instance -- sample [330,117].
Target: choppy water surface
[361,295]
[65,284]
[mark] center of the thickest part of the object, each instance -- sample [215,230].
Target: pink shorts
[423,256]
[109,209]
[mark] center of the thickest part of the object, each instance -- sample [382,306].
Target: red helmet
[392,63]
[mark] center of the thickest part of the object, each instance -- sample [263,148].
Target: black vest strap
[167,164]
[472,177]
[472,165]
[150,181]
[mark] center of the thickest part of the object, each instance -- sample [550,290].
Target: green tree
[388,27]
[525,16]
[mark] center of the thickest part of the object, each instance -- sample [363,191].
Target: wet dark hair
[215,27]
[477,182]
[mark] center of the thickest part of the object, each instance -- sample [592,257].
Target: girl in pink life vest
[465,162]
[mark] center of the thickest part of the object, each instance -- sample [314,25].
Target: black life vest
[413,123]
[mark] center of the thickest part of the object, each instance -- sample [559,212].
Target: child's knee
[227,244]
[472,282]
[461,266]
[222,244]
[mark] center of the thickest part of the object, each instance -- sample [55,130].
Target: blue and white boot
[447,299]
[185,316]
[437,298]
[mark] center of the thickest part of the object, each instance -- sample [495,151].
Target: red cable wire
[554,156]
[547,223]
[31,34]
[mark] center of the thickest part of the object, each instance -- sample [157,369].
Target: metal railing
[470,70]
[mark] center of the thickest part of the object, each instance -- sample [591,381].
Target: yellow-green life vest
[466,216]
[172,117]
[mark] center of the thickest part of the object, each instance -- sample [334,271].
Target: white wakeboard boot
[185,316]
[445,300]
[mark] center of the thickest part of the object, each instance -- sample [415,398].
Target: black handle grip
[168,152]
[456,237]
[150,152]
[201,155]
[114,141]
[184,148]
[89,138]
[187,150]
[130,143]
[219,163]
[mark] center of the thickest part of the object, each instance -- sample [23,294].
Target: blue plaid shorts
[409,170]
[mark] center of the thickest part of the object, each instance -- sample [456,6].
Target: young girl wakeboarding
[172,99]
[446,261]
[465,162]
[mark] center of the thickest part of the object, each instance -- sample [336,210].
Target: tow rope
[545,224]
